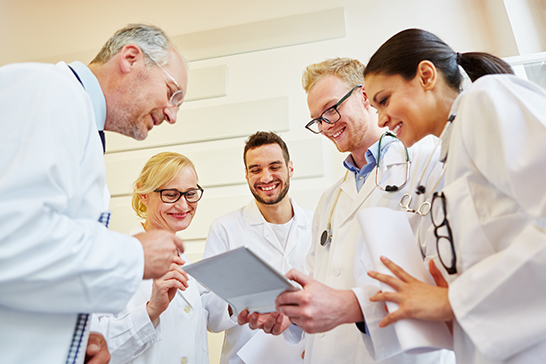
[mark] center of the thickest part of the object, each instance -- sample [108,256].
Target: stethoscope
[326,237]
[424,208]
[390,188]
[405,201]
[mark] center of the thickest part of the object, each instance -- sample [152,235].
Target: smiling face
[141,99]
[412,109]
[357,129]
[267,173]
[399,104]
[171,216]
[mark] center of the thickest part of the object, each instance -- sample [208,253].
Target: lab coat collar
[446,133]
[93,89]
[395,155]
[255,217]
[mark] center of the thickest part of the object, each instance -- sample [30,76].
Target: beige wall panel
[204,83]
[217,166]
[267,34]
[207,83]
[211,123]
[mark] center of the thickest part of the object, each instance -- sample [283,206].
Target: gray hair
[150,39]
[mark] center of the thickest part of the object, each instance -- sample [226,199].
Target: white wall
[268,81]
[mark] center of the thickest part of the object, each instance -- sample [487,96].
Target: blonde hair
[347,69]
[159,170]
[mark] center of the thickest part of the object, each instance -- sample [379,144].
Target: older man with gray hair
[58,261]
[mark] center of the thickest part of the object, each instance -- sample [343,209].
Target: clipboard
[243,279]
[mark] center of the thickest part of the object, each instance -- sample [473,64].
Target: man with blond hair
[333,308]
[58,262]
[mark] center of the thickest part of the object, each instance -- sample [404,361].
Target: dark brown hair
[402,53]
[264,138]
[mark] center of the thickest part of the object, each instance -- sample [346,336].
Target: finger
[396,270]
[179,276]
[270,322]
[177,260]
[243,317]
[183,272]
[392,318]
[179,244]
[394,282]
[437,275]
[171,282]
[254,321]
[279,324]
[296,275]
[293,312]
[386,297]
[288,298]
[93,344]
[97,350]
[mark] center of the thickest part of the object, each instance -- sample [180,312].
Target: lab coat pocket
[470,241]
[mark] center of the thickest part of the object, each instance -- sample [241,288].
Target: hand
[440,282]
[318,307]
[271,323]
[97,349]
[415,299]
[161,249]
[164,289]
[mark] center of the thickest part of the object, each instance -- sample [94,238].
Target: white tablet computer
[241,278]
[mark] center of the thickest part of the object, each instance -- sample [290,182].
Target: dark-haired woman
[490,218]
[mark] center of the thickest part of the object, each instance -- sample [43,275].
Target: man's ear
[428,74]
[290,169]
[130,57]
[365,96]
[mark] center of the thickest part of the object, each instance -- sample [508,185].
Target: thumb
[94,343]
[179,244]
[299,277]
[435,272]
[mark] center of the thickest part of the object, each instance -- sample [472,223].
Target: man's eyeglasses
[178,96]
[330,115]
[442,231]
[172,195]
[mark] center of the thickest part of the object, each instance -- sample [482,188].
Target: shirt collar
[93,89]
[371,154]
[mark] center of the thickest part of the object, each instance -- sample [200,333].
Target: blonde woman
[164,322]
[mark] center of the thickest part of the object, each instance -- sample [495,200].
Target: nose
[182,202]
[266,176]
[324,126]
[170,113]
[382,119]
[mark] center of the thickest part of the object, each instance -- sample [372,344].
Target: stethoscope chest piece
[325,238]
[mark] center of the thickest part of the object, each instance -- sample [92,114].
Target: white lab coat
[494,188]
[56,259]
[247,226]
[345,262]
[179,335]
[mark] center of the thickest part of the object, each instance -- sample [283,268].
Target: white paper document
[242,279]
[264,348]
[388,233]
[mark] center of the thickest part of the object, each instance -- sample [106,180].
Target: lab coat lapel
[186,294]
[358,198]
[293,237]
[256,218]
